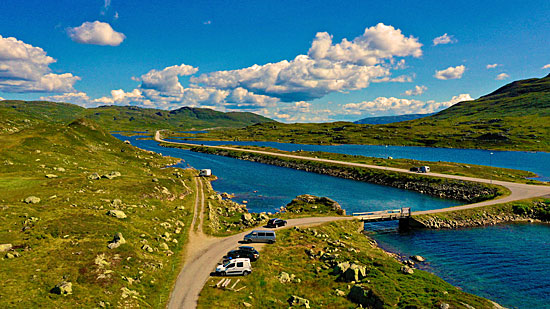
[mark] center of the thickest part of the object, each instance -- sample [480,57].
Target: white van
[238,266]
[205,172]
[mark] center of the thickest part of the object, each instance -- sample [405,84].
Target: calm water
[537,162]
[277,186]
[509,264]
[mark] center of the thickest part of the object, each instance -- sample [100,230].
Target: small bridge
[384,215]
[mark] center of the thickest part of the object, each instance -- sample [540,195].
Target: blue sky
[288,60]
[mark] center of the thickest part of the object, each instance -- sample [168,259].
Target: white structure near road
[205,172]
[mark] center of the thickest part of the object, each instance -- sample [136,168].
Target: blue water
[277,186]
[509,264]
[536,162]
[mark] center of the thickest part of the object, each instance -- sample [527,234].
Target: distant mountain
[127,117]
[390,119]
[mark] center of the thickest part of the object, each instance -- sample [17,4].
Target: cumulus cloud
[492,66]
[377,43]
[444,39]
[450,73]
[418,90]
[328,67]
[96,33]
[166,80]
[502,76]
[121,97]
[2,99]
[546,66]
[25,68]
[401,106]
[80,98]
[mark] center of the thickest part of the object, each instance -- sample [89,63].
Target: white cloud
[444,39]
[25,68]
[450,73]
[502,76]
[401,106]
[492,66]
[418,90]
[96,33]
[2,99]
[328,67]
[208,22]
[80,98]
[377,43]
[546,66]
[166,80]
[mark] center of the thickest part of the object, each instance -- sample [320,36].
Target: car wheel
[271,242]
[246,273]
[223,273]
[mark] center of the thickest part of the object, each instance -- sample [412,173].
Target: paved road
[519,191]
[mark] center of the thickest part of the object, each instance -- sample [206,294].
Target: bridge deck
[384,215]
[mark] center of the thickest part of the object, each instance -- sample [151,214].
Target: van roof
[240,260]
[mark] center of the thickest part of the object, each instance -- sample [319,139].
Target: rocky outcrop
[63,288]
[365,297]
[32,200]
[298,301]
[116,213]
[309,203]
[443,188]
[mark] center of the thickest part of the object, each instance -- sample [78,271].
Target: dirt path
[519,191]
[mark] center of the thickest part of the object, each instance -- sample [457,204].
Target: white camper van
[205,172]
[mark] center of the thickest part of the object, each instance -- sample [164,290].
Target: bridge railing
[397,213]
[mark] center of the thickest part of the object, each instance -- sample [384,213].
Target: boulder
[354,273]
[147,248]
[365,298]
[116,213]
[339,292]
[32,200]
[59,169]
[298,301]
[418,258]
[116,202]
[118,240]
[164,246]
[112,175]
[341,268]
[94,176]
[247,305]
[12,255]
[264,216]
[407,270]
[247,218]
[63,288]
[284,277]
[51,176]
[5,247]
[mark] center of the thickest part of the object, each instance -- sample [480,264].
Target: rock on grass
[32,200]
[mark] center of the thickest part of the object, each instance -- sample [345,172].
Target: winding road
[203,252]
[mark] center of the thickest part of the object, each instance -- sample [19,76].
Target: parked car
[276,222]
[414,169]
[239,266]
[260,236]
[243,252]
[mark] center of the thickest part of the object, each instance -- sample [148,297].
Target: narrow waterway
[536,162]
[509,264]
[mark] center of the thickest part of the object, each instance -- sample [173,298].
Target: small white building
[205,172]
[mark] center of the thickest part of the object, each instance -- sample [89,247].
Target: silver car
[260,236]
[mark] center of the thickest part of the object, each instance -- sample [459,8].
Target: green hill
[514,117]
[122,118]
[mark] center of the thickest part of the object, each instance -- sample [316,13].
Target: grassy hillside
[123,118]
[304,263]
[62,235]
[390,119]
[515,117]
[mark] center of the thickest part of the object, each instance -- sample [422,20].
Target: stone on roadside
[32,200]
[5,247]
[50,176]
[118,240]
[298,301]
[63,288]
[116,213]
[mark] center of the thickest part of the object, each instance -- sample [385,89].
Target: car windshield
[227,264]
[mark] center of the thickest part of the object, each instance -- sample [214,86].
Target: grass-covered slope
[515,117]
[310,259]
[62,235]
[124,118]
